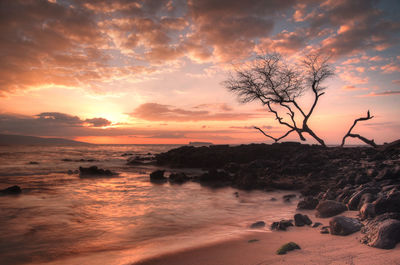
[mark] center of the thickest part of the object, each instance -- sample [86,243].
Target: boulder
[342,225]
[287,247]
[178,178]
[259,224]
[158,176]
[11,190]
[367,211]
[281,225]
[384,235]
[94,171]
[389,203]
[354,200]
[329,208]
[308,203]
[301,220]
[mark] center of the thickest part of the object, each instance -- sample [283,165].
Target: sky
[148,71]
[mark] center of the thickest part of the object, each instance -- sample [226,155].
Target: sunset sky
[149,71]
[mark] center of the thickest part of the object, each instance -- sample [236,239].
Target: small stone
[259,224]
[287,247]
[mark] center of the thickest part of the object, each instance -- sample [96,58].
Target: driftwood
[354,135]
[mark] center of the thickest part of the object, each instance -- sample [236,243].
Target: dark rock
[127,154]
[281,225]
[259,224]
[308,203]
[316,224]
[273,199]
[253,240]
[158,176]
[288,197]
[329,208]
[33,163]
[94,171]
[356,197]
[389,203]
[324,230]
[367,211]
[287,247]
[70,172]
[178,178]
[383,235]
[301,220]
[342,225]
[13,190]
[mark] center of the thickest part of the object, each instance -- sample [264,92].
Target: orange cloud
[160,112]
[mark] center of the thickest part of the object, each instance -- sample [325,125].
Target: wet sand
[316,248]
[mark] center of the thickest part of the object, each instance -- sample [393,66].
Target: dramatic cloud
[160,112]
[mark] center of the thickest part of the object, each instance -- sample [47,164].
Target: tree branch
[365,140]
[273,138]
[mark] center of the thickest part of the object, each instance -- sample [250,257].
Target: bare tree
[354,135]
[278,85]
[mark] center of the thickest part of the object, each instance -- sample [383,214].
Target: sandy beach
[316,248]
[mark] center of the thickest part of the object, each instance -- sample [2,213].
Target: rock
[33,163]
[253,240]
[11,190]
[308,203]
[329,208]
[178,178]
[259,224]
[367,211]
[158,176]
[288,197]
[301,220]
[324,230]
[273,199]
[287,247]
[281,225]
[70,172]
[94,171]
[342,225]
[316,224]
[354,200]
[389,203]
[384,235]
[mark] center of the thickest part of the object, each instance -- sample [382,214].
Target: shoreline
[316,248]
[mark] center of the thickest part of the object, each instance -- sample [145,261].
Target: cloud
[98,122]
[269,127]
[160,112]
[351,87]
[384,93]
[390,68]
[396,82]
[217,106]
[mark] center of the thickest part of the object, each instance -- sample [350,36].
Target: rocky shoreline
[331,181]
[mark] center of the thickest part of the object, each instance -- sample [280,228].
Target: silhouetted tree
[278,85]
[354,135]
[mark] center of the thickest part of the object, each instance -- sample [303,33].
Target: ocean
[61,218]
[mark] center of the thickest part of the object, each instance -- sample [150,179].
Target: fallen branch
[365,140]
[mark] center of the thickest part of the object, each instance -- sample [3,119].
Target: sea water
[61,218]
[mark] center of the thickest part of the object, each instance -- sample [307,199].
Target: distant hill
[6,139]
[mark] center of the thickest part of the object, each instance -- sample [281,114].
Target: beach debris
[343,226]
[281,225]
[329,208]
[178,178]
[301,220]
[158,176]
[288,197]
[287,247]
[11,190]
[259,224]
[94,171]
[308,203]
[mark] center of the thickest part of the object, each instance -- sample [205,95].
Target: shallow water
[63,219]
